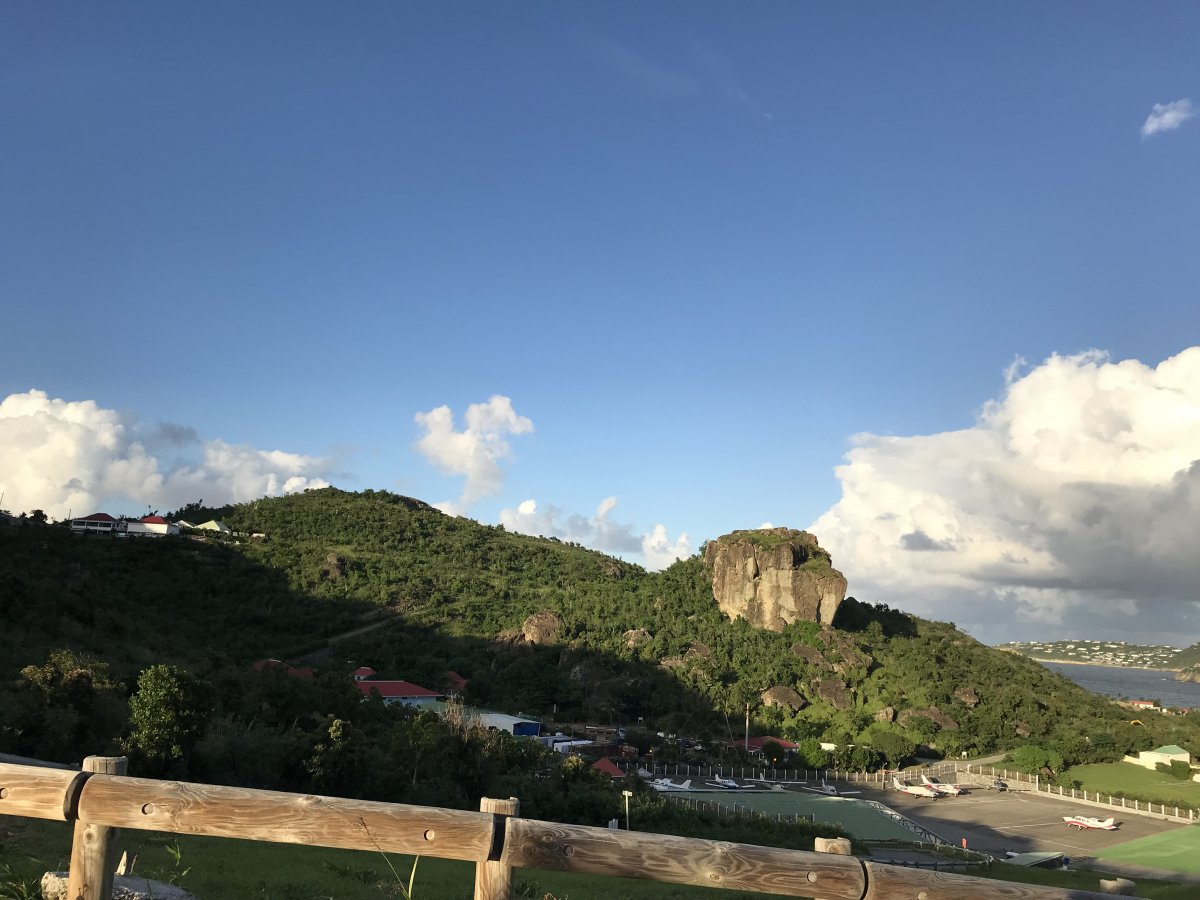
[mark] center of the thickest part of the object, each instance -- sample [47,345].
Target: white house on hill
[151,526]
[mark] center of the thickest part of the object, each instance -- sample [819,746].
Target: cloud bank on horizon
[1075,495]
[478,452]
[67,457]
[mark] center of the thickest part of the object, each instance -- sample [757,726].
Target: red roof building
[278,665]
[755,744]
[393,692]
[608,767]
[96,523]
[457,682]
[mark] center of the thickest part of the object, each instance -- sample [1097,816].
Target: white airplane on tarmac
[830,790]
[952,790]
[917,790]
[667,785]
[1087,822]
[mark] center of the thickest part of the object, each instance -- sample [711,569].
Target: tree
[896,748]
[167,715]
[1032,758]
[774,752]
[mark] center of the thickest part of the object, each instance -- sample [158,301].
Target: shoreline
[1100,665]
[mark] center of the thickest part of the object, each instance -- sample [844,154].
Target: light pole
[627,795]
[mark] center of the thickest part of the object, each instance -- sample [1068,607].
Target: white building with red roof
[96,523]
[398,692]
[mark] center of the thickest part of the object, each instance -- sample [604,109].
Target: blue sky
[698,247]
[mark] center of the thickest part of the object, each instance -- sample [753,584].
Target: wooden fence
[495,838]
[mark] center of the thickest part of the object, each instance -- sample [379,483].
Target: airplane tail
[686,786]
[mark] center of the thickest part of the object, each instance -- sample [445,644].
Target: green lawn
[1110,778]
[1177,850]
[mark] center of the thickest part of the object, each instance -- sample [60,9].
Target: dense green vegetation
[145,646]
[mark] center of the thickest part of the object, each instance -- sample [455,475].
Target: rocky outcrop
[1191,674]
[932,713]
[542,628]
[810,655]
[833,691]
[887,714]
[635,637]
[784,696]
[696,654]
[967,696]
[773,577]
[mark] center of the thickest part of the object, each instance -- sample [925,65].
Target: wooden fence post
[94,847]
[493,879]
[838,846]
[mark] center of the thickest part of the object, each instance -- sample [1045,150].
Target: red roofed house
[151,526]
[398,692]
[755,744]
[96,523]
[278,665]
[363,672]
[608,767]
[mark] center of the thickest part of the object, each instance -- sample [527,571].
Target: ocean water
[1132,684]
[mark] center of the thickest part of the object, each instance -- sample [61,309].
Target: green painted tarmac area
[1177,850]
[854,816]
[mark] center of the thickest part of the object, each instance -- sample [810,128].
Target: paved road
[1019,821]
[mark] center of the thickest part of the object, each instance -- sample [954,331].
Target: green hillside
[342,579]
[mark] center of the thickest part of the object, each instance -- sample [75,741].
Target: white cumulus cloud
[475,452]
[1072,502]
[598,531]
[1167,117]
[76,456]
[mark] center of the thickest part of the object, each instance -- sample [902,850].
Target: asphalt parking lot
[1020,821]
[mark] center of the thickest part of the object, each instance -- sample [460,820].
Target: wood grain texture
[493,879]
[899,883]
[285,818]
[34,792]
[93,847]
[660,857]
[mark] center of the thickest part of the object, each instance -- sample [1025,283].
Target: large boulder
[782,695]
[774,576]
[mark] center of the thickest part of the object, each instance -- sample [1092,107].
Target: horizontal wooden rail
[243,813]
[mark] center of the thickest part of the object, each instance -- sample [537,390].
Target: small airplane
[644,773]
[721,782]
[917,790]
[830,790]
[667,785]
[1088,822]
[952,790]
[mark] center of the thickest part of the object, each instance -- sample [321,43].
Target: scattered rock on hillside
[542,627]
[781,695]
[773,577]
[810,655]
[967,696]
[332,567]
[887,714]
[1022,730]
[932,713]
[635,637]
[833,691]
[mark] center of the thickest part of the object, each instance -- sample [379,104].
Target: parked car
[998,785]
